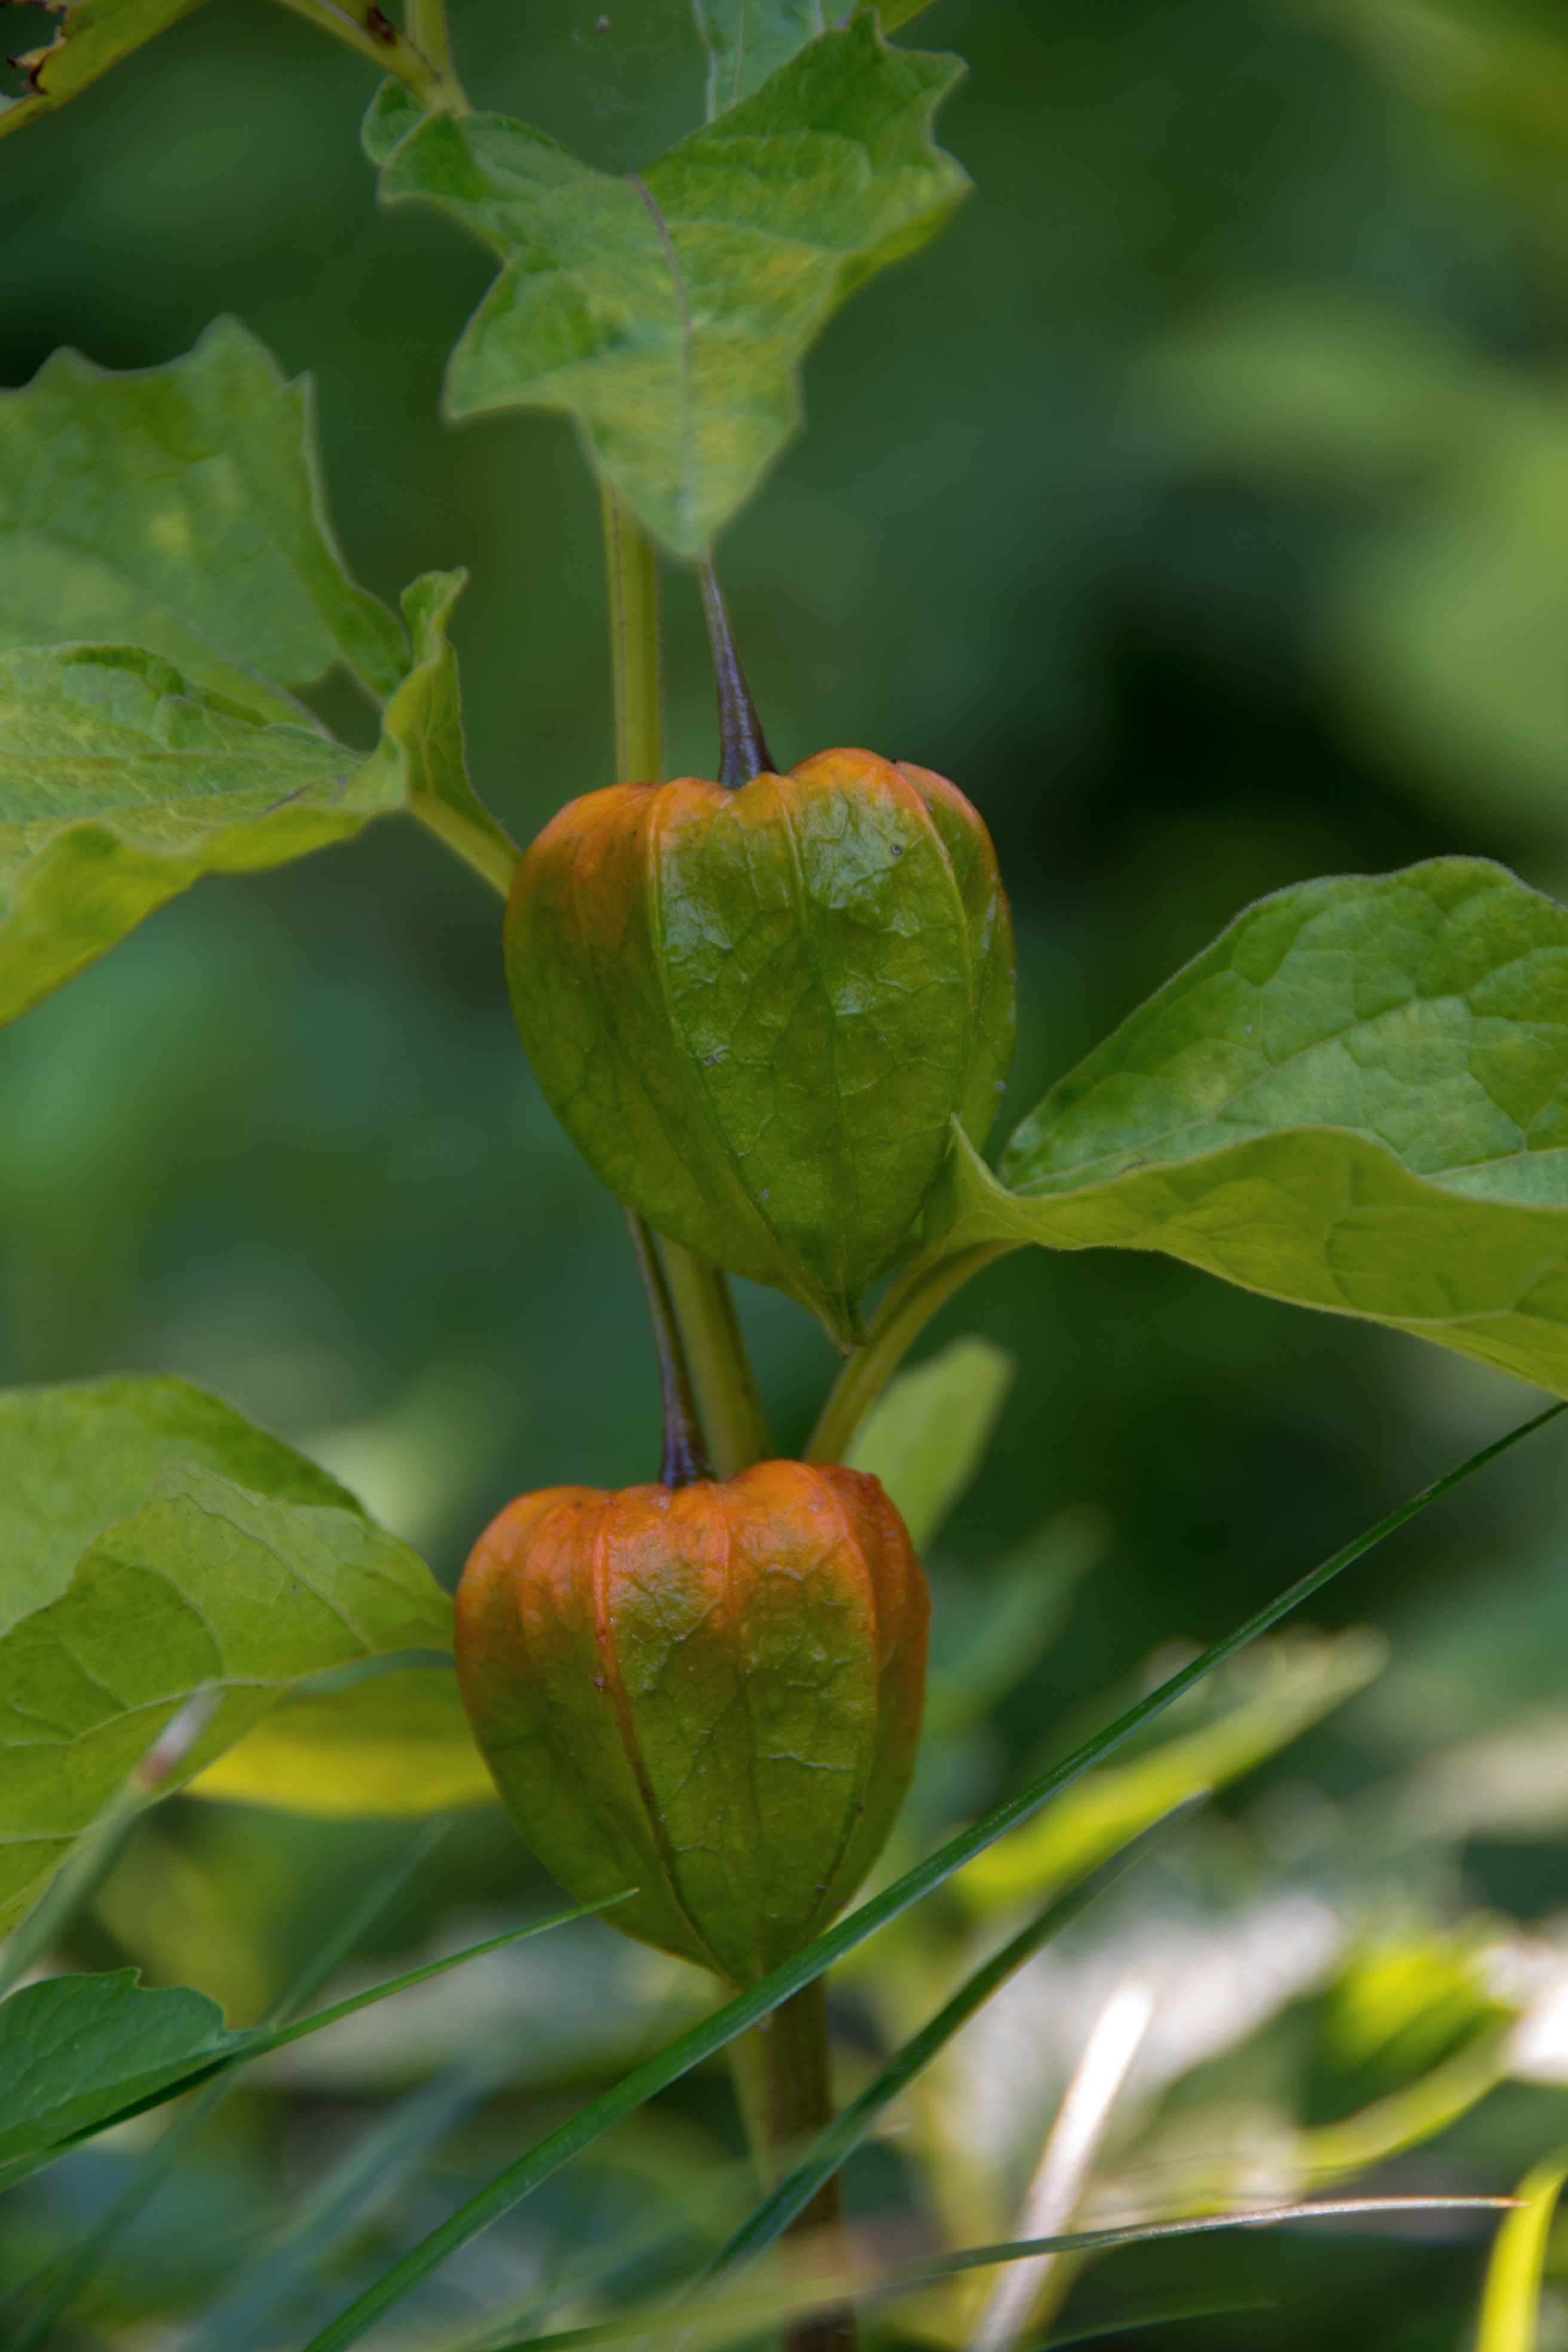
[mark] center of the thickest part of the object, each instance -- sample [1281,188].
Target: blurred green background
[1200,504]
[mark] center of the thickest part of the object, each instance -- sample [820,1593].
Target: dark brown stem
[685,1448]
[797,2104]
[742,753]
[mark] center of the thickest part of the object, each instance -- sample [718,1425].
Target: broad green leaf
[92,37]
[745,40]
[670,312]
[205,1587]
[1282,1690]
[422,738]
[1353,1100]
[181,509]
[75,2050]
[926,1435]
[75,1457]
[122,783]
[396,1744]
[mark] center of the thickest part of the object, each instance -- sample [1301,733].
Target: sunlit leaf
[397,1744]
[181,509]
[206,1587]
[1353,1100]
[670,312]
[1278,1692]
[77,1456]
[926,1435]
[92,35]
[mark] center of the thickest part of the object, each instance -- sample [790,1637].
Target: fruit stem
[705,1315]
[742,752]
[685,1448]
[796,2085]
[738,1433]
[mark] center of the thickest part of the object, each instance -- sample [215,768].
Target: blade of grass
[846,2131]
[743,2316]
[703,2041]
[1510,2303]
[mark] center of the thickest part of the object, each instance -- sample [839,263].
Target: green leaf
[76,2049]
[180,507]
[689,2050]
[745,40]
[1262,1707]
[422,738]
[122,783]
[93,36]
[76,1457]
[670,312]
[926,1435]
[206,1587]
[1511,2305]
[396,1744]
[1353,1100]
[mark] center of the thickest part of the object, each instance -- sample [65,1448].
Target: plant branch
[796,2086]
[742,753]
[362,26]
[685,1449]
[927,1283]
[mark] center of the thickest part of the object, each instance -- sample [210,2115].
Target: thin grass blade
[703,2041]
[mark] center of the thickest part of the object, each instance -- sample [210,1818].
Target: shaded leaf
[205,1587]
[1353,1100]
[670,312]
[181,508]
[75,2050]
[396,1744]
[75,1457]
[927,1433]
[422,738]
[92,37]
[122,783]
[745,40]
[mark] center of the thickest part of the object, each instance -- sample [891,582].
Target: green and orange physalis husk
[711,1692]
[757,1012]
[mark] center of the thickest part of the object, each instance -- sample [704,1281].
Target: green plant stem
[722,1373]
[732,1415]
[742,749]
[488,856]
[925,1285]
[362,25]
[796,2093]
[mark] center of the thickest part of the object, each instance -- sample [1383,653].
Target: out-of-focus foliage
[1193,503]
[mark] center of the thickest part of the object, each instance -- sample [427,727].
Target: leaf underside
[1356,1099]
